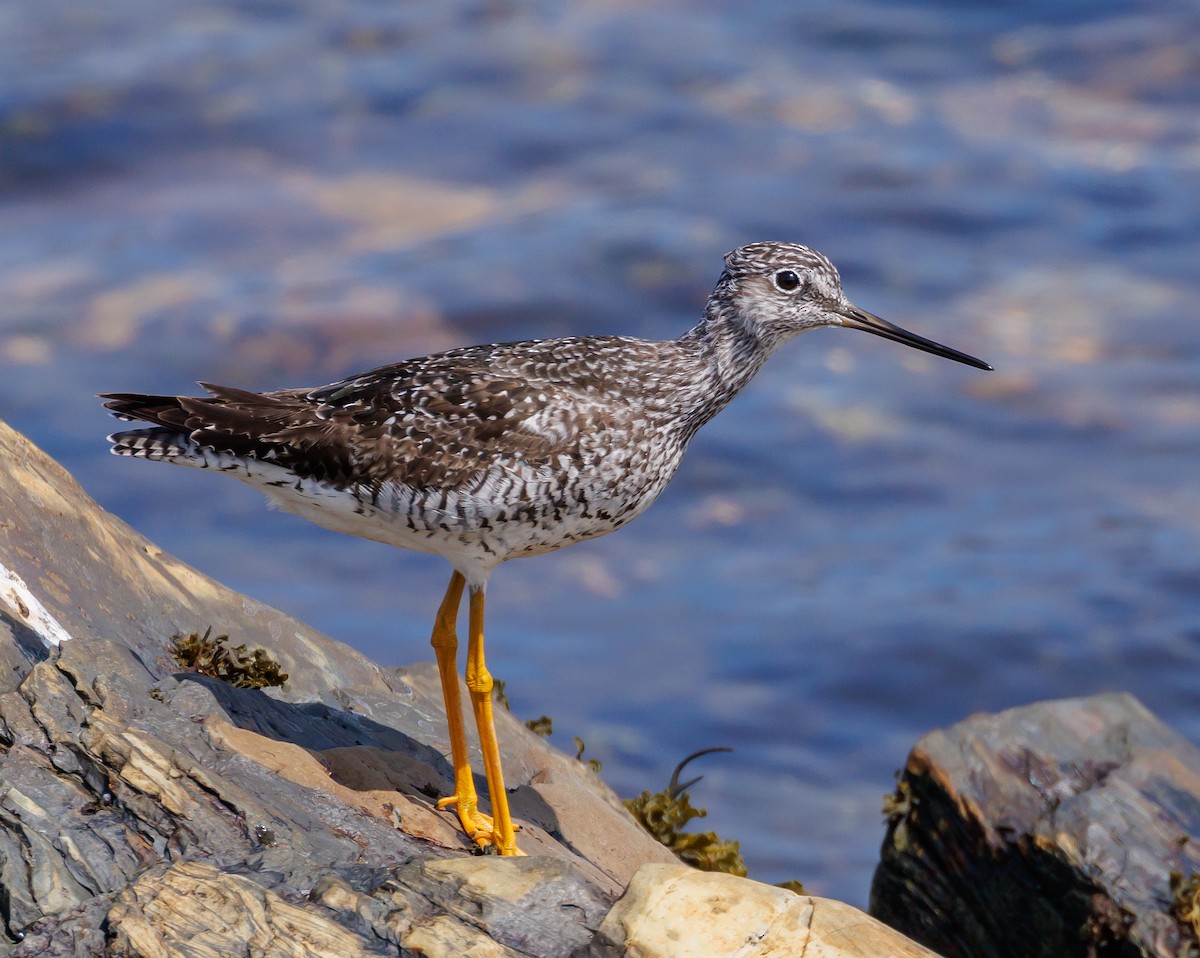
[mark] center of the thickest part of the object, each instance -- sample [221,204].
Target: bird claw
[479,826]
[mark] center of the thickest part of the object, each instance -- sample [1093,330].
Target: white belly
[475,529]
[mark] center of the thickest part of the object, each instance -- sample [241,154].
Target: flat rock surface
[676,911]
[1051,830]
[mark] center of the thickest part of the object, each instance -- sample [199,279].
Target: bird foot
[480,827]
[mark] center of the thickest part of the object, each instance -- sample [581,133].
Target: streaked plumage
[493,452]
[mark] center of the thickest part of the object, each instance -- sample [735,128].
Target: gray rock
[1048,830]
[116,769]
[150,813]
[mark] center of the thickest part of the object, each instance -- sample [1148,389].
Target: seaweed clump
[665,814]
[543,726]
[1185,908]
[593,763]
[896,809]
[241,667]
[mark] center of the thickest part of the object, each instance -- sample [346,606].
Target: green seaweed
[592,763]
[1185,908]
[896,807]
[241,667]
[543,726]
[665,814]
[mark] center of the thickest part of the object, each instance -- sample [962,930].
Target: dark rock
[1048,830]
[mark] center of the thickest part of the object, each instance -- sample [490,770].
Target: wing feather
[434,422]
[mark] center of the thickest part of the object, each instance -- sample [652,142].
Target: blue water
[868,544]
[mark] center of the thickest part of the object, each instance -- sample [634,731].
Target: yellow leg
[479,685]
[445,645]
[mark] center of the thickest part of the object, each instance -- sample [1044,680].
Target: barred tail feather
[157,445]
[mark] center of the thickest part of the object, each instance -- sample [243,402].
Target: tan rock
[195,910]
[446,938]
[344,775]
[474,906]
[673,911]
[580,815]
[838,930]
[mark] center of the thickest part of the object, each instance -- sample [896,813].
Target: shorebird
[490,453]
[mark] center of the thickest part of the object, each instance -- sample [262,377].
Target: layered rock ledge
[149,812]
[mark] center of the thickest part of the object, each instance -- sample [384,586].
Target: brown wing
[437,422]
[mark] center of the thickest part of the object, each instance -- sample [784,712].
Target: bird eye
[786,280]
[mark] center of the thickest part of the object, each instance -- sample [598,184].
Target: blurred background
[869,543]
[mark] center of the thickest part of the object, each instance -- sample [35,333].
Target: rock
[674,911]
[114,765]
[452,908]
[147,812]
[1048,830]
[195,908]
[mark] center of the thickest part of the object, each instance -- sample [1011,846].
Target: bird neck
[731,354]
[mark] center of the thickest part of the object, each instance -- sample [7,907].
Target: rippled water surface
[869,543]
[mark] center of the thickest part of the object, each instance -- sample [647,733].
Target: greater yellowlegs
[492,452]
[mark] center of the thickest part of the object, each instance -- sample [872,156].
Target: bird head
[776,290]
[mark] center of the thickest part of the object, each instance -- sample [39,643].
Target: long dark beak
[856,318]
